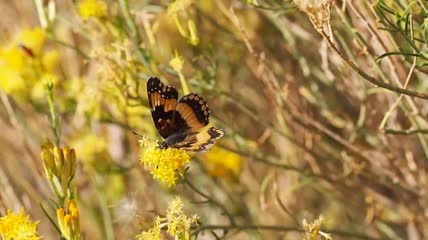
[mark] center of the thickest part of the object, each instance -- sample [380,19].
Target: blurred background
[324,105]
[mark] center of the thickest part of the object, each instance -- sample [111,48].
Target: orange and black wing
[199,141]
[192,113]
[162,102]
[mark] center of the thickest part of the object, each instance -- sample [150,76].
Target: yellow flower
[89,101]
[50,59]
[60,166]
[221,163]
[163,164]
[313,232]
[11,63]
[153,233]
[69,222]
[178,5]
[92,8]
[93,151]
[12,69]
[18,227]
[24,65]
[177,62]
[32,39]
[176,222]
[12,58]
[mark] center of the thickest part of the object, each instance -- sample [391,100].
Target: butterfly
[181,124]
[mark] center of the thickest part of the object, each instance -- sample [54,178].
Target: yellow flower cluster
[92,8]
[178,5]
[69,222]
[18,227]
[24,65]
[60,166]
[163,164]
[93,150]
[222,163]
[177,63]
[313,232]
[176,222]
[153,233]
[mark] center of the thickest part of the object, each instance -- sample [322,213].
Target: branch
[282,229]
[211,200]
[366,76]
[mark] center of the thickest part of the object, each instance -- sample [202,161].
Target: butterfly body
[172,140]
[183,123]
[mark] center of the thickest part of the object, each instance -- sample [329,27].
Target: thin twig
[406,83]
[282,229]
[135,34]
[406,132]
[366,76]
[211,200]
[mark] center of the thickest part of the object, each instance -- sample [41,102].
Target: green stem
[50,218]
[54,120]
[135,34]
[107,222]
[129,20]
[213,201]
[68,45]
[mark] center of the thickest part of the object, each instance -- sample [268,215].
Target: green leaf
[424,29]
[405,54]
[424,55]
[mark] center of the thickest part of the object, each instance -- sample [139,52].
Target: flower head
[318,11]
[153,233]
[93,151]
[221,163]
[176,222]
[59,165]
[92,8]
[163,164]
[18,227]
[69,221]
[31,40]
[313,232]
[177,62]
[24,64]
[178,5]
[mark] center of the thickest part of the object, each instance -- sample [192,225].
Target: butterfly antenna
[144,137]
[135,133]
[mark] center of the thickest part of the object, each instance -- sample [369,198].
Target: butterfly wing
[181,124]
[198,141]
[162,102]
[192,113]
